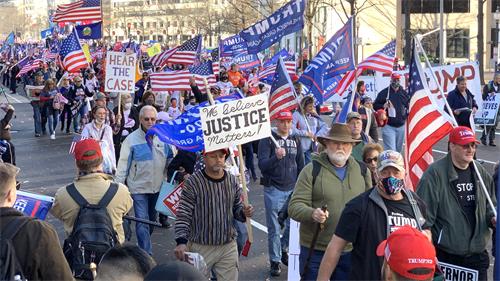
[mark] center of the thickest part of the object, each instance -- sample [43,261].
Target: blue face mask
[392,185]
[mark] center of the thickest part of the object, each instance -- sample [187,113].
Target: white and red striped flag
[381,61]
[184,54]
[32,65]
[282,95]
[179,80]
[267,73]
[76,138]
[71,54]
[158,59]
[427,123]
[79,11]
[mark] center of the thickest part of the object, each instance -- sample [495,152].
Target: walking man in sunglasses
[457,207]
[141,167]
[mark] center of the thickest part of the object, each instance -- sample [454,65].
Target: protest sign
[270,30]
[487,114]
[173,198]
[247,61]
[33,205]
[294,251]
[235,122]
[120,72]
[457,273]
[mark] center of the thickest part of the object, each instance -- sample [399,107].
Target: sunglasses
[368,160]
[147,119]
[470,145]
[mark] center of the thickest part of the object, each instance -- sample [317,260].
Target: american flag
[282,95]
[31,65]
[76,138]
[427,123]
[83,10]
[268,72]
[186,53]
[71,54]
[215,61]
[382,61]
[49,55]
[179,80]
[159,59]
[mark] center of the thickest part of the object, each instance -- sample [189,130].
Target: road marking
[258,226]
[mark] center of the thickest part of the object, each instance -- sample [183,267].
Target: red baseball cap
[462,135]
[284,115]
[409,253]
[395,75]
[84,146]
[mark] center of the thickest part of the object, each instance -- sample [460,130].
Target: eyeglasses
[368,160]
[147,119]
[470,145]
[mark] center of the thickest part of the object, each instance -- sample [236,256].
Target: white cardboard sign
[120,72]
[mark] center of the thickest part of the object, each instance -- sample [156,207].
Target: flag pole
[481,181]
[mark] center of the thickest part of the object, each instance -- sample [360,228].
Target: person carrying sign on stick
[458,210]
[211,197]
[489,90]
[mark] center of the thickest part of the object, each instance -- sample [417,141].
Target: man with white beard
[331,179]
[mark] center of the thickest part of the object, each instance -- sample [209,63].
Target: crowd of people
[359,220]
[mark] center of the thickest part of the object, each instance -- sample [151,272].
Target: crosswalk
[6,97]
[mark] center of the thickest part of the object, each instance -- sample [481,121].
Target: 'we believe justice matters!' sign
[235,122]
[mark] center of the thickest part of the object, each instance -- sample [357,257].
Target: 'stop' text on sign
[120,72]
[235,122]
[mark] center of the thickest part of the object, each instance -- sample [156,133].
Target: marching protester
[306,124]
[368,118]
[205,193]
[490,90]
[234,75]
[371,153]
[7,149]
[408,255]
[14,70]
[77,99]
[378,212]
[98,130]
[141,86]
[462,103]
[148,98]
[395,101]
[280,167]
[34,248]
[34,95]
[458,211]
[332,179]
[65,116]
[47,96]
[224,84]
[142,167]
[100,100]
[356,125]
[127,121]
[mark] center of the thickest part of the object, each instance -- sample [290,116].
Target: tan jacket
[92,187]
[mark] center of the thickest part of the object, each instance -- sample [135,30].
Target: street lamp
[496,16]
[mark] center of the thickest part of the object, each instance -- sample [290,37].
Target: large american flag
[427,123]
[282,95]
[83,10]
[179,80]
[267,73]
[29,66]
[381,61]
[184,54]
[71,53]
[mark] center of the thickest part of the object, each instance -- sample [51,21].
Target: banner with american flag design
[71,54]
[282,95]
[179,80]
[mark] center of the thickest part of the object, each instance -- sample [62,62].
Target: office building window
[432,6]
[154,24]
[148,24]
[457,43]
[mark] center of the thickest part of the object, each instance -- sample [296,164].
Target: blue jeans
[393,137]
[307,156]
[37,117]
[52,116]
[144,208]
[340,273]
[273,201]
[80,118]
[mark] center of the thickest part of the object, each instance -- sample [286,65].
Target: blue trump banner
[281,54]
[46,33]
[335,58]
[268,31]
[185,132]
[330,84]
[247,61]
[232,46]
[90,31]
[33,205]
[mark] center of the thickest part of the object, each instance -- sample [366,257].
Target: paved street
[46,166]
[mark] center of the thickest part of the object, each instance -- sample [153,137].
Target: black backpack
[93,233]
[10,268]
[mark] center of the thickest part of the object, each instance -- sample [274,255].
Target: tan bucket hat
[338,132]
